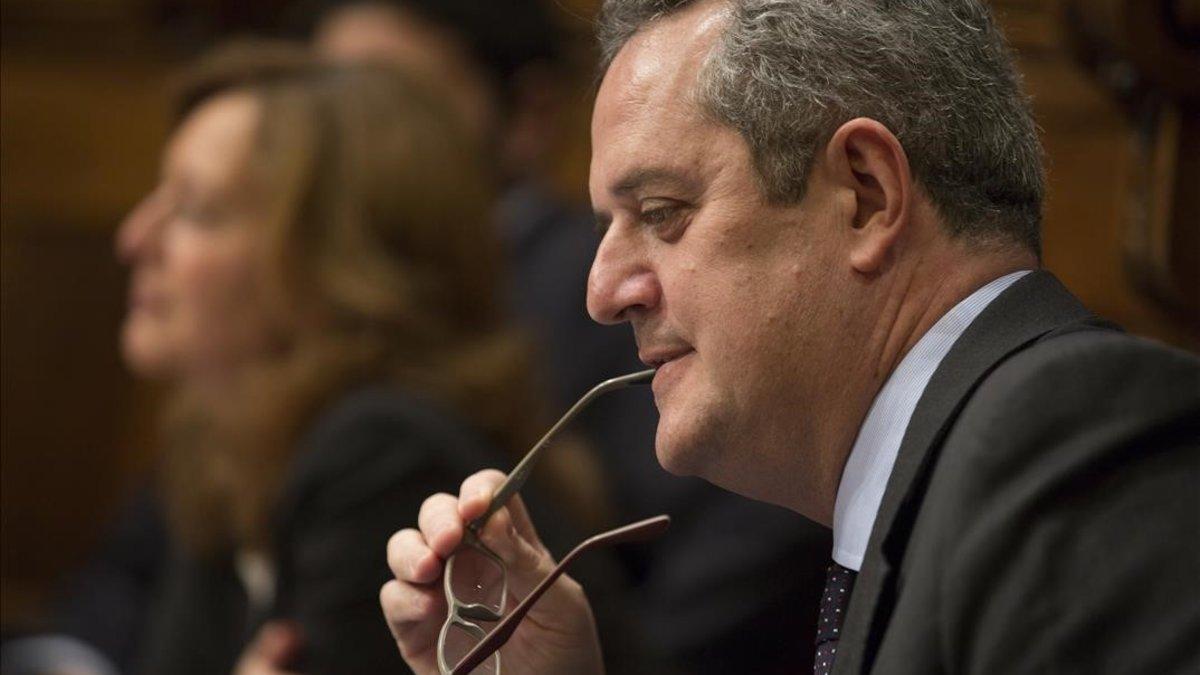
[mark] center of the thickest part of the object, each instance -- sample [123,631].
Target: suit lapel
[1033,306]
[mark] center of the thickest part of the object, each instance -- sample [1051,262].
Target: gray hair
[937,73]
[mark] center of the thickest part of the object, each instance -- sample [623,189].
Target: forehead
[216,139]
[646,111]
[388,31]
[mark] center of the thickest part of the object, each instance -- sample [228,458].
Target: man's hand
[275,646]
[557,636]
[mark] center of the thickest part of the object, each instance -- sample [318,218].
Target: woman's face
[195,309]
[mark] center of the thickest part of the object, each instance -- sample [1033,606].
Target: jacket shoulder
[1061,414]
[1101,383]
[1060,510]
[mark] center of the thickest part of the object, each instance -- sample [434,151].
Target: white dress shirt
[874,453]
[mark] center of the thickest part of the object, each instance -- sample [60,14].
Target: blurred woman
[314,279]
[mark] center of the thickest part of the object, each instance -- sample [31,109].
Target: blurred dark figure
[735,579]
[314,280]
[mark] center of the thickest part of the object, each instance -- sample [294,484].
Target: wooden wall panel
[1091,162]
[82,118]
[67,451]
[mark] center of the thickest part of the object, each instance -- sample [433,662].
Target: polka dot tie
[839,581]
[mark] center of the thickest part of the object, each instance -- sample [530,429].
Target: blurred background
[85,112]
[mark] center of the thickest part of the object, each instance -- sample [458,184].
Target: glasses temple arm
[517,477]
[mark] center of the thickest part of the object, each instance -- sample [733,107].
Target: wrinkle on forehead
[647,95]
[664,58]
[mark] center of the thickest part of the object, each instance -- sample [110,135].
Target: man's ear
[865,158]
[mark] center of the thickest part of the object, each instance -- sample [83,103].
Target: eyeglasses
[476,579]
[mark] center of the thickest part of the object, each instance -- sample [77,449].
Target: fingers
[501,536]
[413,603]
[509,532]
[276,645]
[414,615]
[475,496]
[418,556]
[279,643]
[476,492]
[411,559]
[440,524]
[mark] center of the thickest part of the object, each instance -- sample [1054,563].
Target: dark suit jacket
[363,472]
[1043,515]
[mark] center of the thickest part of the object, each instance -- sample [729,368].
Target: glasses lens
[462,639]
[476,577]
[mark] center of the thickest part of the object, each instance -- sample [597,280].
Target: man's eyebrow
[638,178]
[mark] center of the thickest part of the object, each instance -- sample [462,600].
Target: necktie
[839,581]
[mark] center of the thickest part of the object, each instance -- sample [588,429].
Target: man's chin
[677,453]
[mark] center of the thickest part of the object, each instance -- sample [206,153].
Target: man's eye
[658,215]
[668,220]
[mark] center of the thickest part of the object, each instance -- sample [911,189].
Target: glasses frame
[462,614]
[490,644]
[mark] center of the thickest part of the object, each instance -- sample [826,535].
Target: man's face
[736,301]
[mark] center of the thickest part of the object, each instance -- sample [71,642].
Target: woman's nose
[138,234]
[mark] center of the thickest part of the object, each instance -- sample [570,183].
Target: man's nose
[139,233]
[622,281]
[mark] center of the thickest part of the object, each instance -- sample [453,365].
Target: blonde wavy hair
[378,264]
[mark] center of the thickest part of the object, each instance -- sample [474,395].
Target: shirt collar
[874,453]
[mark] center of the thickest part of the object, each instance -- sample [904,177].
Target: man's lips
[668,369]
[660,357]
